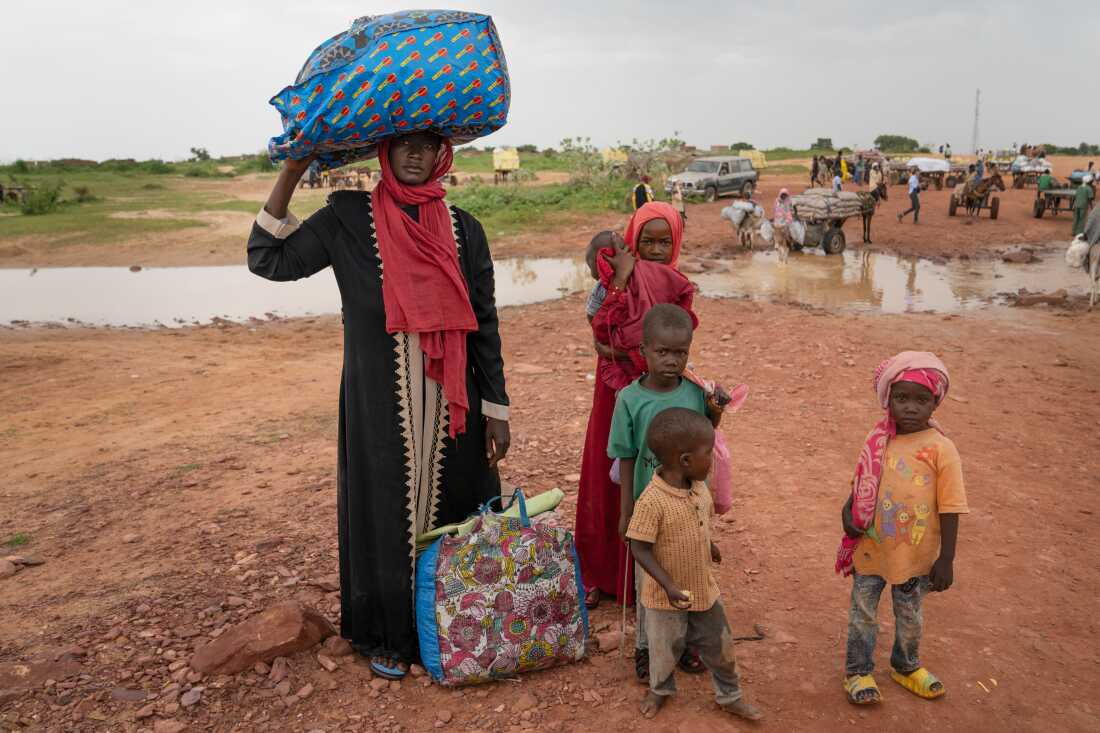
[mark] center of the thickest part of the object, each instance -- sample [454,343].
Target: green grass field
[98,221]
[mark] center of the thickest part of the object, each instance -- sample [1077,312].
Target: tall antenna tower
[977,109]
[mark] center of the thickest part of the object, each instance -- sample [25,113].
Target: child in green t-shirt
[666,345]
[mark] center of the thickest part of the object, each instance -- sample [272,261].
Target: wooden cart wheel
[1037,209]
[994,207]
[834,241]
[953,206]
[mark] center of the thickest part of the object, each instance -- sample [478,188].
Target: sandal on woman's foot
[388,668]
[862,689]
[650,704]
[921,683]
[743,710]
[592,599]
[641,665]
[691,663]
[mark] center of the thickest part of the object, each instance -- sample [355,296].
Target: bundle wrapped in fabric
[504,599]
[817,204]
[439,70]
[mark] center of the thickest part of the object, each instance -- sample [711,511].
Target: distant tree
[823,143]
[527,148]
[896,143]
[20,166]
[741,146]
[200,154]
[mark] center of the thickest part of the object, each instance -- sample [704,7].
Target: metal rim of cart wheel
[833,242]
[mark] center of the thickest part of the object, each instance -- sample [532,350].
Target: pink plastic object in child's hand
[721,475]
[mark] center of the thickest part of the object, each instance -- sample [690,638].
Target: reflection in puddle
[174,296]
[881,283]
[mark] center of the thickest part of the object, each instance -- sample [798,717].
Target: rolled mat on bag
[438,70]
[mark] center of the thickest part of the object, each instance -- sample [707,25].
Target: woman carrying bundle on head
[423,417]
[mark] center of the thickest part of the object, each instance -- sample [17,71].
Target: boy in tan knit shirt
[669,535]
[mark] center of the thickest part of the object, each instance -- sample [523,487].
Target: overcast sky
[100,79]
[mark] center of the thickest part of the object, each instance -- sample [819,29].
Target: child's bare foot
[651,703]
[743,710]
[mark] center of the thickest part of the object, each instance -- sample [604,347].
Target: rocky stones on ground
[305,691]
[1019,257]
[1025,299]
[283,629]
[607,641]
[169,726]
[146,712]
[25,560]
[379,684]
[524,701]
[124,694]
[8,569]
[191,697]
[444,716]
[337,646]
[417,671]
[130,538]
[327,663]
[279,670]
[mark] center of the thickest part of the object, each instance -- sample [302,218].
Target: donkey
[975,196]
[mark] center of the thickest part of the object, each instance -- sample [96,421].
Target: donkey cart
[827,234]
[981,197]
[1053,200]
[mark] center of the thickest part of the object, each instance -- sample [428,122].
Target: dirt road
[147,468]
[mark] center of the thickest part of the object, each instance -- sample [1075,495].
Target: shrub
[896,144]
[43,200]
[84,194]
[259,163]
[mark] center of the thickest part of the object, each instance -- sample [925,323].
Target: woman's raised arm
[279,248]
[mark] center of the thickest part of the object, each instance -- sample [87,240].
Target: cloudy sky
[104,78]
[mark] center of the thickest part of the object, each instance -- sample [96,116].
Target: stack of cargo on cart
[823,214]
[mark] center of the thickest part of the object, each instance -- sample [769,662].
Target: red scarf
[620,323]
[423,289]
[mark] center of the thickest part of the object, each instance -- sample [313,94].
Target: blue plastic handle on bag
[518,494]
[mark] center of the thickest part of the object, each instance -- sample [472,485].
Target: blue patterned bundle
[442,70]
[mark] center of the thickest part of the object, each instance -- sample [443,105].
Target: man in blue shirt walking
[914,196]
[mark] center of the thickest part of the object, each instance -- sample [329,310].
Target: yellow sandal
[920,683]
[856,684]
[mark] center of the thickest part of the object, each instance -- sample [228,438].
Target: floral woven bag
[503,600]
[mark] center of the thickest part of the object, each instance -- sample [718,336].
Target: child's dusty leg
[863,628]
[909,624]
[709,632]
[667,631]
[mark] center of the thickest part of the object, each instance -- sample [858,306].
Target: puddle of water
[177,296]
[856,281]
[881,283]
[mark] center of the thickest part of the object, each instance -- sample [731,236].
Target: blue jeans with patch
[863,623]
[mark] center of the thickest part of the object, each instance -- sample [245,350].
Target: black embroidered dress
[398,472]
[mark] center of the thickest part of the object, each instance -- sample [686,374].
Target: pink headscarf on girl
[920,367]
[783,211]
